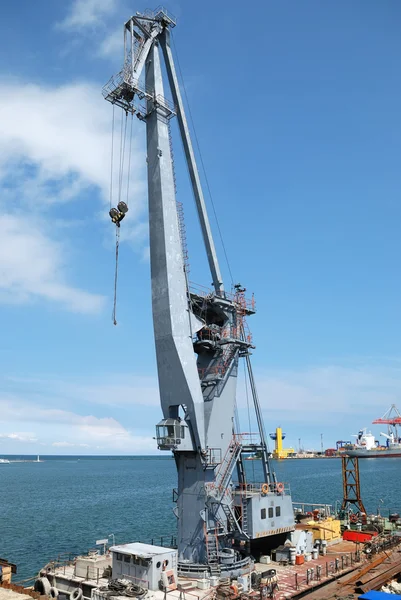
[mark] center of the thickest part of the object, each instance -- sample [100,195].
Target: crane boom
[191,161]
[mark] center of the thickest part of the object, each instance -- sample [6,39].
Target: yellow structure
[279,451]
[329,529]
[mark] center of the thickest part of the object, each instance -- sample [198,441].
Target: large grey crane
[200,338]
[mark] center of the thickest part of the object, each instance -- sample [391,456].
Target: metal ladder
[244,506]
[212,551]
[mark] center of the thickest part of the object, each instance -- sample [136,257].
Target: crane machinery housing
[200,337]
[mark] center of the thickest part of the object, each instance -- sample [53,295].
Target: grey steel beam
[191,162]
[270,476]
[178,375]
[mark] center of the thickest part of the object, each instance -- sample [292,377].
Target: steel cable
[112,159]
[122,153]
[116,275]
[129,157]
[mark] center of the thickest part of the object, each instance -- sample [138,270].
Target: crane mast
[200,338]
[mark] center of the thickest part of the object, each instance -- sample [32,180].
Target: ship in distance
[366,446]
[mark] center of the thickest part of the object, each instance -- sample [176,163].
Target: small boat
[4,461]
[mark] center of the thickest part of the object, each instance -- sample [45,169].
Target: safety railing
[306,507]
[223,365]
[306,579]
[166,541]
[159,14]
[217,371]
[213,457]
[251,489]
[246,436]
[66,567]
[235,297]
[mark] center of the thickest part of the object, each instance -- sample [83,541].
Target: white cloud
[53,153]
[69,445]
[87,13]
[18,437]
[129,391]
[66,133]
[330,398]
[31,266]
[329,393]
[30,404]
[110,390]
[67,429]
[112,45]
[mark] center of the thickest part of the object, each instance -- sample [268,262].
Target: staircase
[228,511]
[226,468]
[216,490]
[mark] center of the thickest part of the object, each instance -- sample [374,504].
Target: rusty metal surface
[377,581]
[370,576]
[366,569]
[351,484]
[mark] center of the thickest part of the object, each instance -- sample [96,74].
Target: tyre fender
[43,586]
[76,594]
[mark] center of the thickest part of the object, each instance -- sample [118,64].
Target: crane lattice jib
[391,417]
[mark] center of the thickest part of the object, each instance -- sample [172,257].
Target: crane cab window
[170,432]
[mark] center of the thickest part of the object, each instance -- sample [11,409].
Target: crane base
[197,570]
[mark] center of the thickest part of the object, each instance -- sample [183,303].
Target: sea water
[65,504]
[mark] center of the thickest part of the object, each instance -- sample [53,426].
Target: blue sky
[296,107]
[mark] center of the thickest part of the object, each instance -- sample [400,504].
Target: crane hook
[117,215]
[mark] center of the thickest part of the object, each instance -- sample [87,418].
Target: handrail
[243,489]
[310,507]
[236,298]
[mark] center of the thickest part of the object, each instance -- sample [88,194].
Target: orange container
[299,559]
